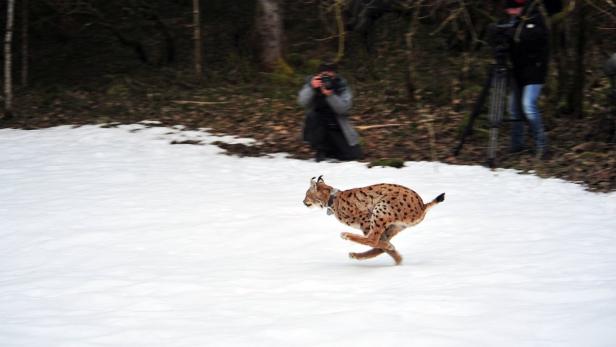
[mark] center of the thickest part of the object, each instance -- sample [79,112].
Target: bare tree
[24,43]
[8,57]
[198,41]
[576,93]
[410,52]
[269,25]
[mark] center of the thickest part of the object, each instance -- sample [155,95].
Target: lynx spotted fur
[380,211]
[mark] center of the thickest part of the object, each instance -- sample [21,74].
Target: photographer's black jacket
[529,48]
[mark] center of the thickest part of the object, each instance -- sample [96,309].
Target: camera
[500,33]
[499,37]
[328,82]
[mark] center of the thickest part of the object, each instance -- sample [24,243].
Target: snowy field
[114,237]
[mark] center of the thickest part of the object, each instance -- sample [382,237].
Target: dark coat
[529,49]
[331,109]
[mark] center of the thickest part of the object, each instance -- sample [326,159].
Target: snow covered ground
[114,237]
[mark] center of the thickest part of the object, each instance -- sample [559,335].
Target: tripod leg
[613,108]
[497,109]
[476,111]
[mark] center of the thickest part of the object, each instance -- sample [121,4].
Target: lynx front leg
[392,231]
[380,218]
[366,255]
[368,241]
[376,252]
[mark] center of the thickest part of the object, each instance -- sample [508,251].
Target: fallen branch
[375,126]
[185,102]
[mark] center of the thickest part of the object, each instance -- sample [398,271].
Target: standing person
[327,99]
[528,36]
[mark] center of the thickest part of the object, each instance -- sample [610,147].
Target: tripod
[610,71]
[612,99]
[496,86]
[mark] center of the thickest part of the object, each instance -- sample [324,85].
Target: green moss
[312,64]
[280,79]
[283,68]
[117,89]
[283,74]
[296,59]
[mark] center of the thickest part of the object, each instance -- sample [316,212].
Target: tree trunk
[198,42]
[341,30]
[561,58]
[576,97]
[24,43]
[411,86]
[169,42]
[134,44]
[8,57]
[269,25]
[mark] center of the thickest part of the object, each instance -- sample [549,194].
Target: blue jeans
[523,102]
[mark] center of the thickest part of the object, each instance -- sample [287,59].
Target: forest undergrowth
[391,131]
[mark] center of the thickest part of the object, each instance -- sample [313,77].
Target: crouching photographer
[327,99]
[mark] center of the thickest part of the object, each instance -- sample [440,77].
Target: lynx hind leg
[395,255]
[376,252]
[366,255]
[391,231]
[379,220]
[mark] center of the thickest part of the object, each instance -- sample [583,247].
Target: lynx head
[318,193]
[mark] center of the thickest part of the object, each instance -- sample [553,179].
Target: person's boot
[543,154]
[516,149]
